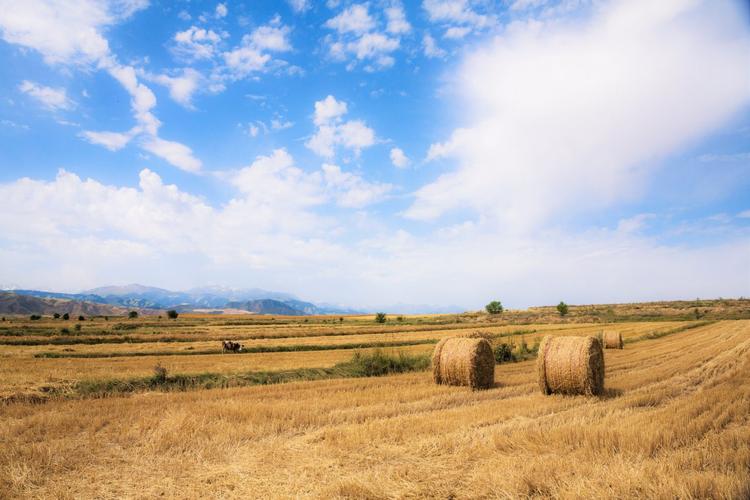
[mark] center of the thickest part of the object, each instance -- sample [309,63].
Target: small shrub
[379,363]
[172,314]
[57,315]
[133,314]
[494,307]
[400,319]
[81,318]
[78,327]
[35,317]
[66,316]
[341,319]
[380,317]
[503,353]
[160,374]
[64,331]
[562,308]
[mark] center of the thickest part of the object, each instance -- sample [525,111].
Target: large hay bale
[570,365]
[612,340]
[464,361]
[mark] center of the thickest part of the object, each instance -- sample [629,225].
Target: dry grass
[674,422]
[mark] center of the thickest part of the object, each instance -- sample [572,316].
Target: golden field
[674,420]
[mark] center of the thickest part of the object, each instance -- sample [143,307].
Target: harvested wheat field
[673,421]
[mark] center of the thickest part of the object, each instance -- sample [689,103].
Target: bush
[494,307]
[35,317]
[81,318]
[562,308]
[78,327]
[379,363]
[400,319]
[172,314]
[56,315]
[503,353]
[66,316]
[160,374]
[380,318]
[341,319]
[133,314]
[64,331]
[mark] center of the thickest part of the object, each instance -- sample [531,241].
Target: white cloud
[252,56]
[745,214]
[329,109]
[358,37]
[51,98]
[221,10]
[456,32]
[570,117]
[397,23]
[333,132]
[273,38]
[398,158]
[350,190]
[196,43]
[113,141]
[60,33]
[299,6]
[74,36]
[455,12]
[182,87]
[281,124]
[431,48]
[354,19]
[175,153]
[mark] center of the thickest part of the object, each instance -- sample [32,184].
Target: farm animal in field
[228,345]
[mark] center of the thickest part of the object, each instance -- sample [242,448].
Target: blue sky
[372,153]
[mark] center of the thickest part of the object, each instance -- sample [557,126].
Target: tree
[35,317]
[172,314]
[380,318]
[81,318]
[66,316]
[562,308]
[56,315]
[133,314]
[494,307]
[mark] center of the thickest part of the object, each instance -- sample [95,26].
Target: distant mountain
[135,296]
[267,306]
[14,303]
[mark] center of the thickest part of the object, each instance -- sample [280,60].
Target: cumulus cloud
[398,158]
[196,43]
[253,53]
[575,116]
[430,47]
[114,141]
[51,98]
[354,19]
[333,132]
[299,6]
[350,190]
[221,10]
[181,87]
[358,39]
[457,16]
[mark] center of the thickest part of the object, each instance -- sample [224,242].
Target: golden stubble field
[674,422]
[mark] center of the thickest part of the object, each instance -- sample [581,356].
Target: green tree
[562,308]
[172,314]
[66,316]
[56,315]
[133,314]
[81,318]
[494,307]
[380,318]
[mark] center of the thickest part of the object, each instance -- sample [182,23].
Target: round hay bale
[612,340]
[570,365]
[464,361]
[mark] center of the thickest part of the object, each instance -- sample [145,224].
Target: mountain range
[134,296]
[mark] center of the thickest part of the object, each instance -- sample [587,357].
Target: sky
[444,152]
